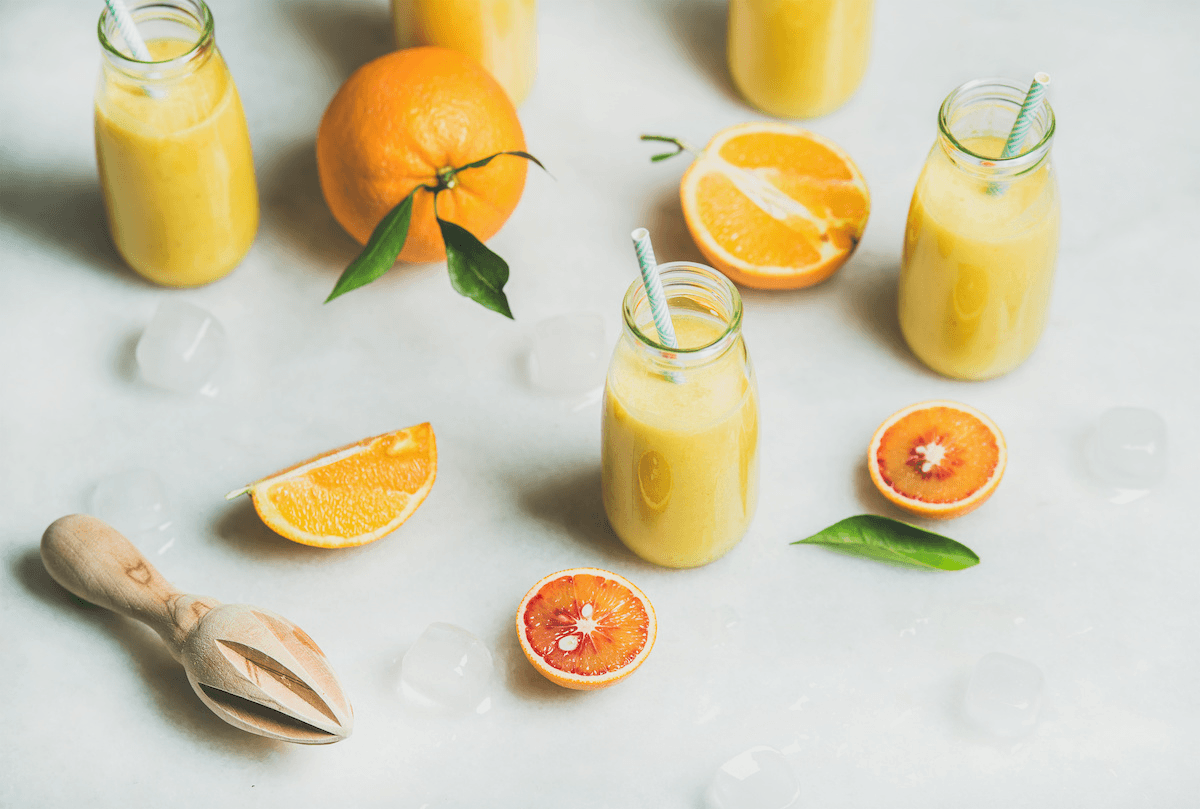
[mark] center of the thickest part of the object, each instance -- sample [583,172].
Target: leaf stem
[680,145]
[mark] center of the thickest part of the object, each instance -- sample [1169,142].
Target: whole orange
[399,121]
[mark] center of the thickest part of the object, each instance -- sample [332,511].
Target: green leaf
[481,163]
[385,244]
[475,271]
[888,540]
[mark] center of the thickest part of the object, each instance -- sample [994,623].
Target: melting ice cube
[1004,695]
[759,778]
[132,501]
[570,353]
[182,348]
[447,668]
[1128,448]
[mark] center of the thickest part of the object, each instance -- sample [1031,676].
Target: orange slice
[585,628]
[774,206]
[937,459]
[352,495]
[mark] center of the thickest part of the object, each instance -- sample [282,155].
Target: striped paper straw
[654,289]
[1033,103]
[128,30]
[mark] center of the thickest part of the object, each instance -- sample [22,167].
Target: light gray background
[855,669]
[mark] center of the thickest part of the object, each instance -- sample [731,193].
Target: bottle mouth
[187,20]
[988,108]
[689,287]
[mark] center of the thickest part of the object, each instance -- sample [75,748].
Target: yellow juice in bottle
[175,165]
[981,243]
[798,58]
[499,34]
[680,447]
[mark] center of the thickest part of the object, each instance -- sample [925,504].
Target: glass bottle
[172,148]
[798,58]
[982,237]
[499,34]
[679,433]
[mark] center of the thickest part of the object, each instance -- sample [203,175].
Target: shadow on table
[347,37]
[869,286]
[663,217]
[67,211]
[570,499]
[166,681]
[240,527]
[699,26]
[294,210]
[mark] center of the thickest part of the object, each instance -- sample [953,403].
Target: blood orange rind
[534,632]
[295,484]
[925,508]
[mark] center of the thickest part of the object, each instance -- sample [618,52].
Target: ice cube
[447,668]
[570,353]
[182,348]
[132,501]
[759,778]
[1004,695]
[1128,448]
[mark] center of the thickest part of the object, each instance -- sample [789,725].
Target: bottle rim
[193,13]
[720,294]
[997,91]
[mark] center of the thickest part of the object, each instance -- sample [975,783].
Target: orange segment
[585,628]
[774,206]
[352,495]
[937,459]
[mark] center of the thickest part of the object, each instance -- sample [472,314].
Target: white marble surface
[856,670]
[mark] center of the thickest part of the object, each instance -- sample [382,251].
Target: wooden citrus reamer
[253,668]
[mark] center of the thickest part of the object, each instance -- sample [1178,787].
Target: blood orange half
[585,628]
[937,459]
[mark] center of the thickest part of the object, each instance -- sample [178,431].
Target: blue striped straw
[1031,107]
[654,288]
[128,30]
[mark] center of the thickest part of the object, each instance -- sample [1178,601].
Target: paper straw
[128,30]
[654,289]
[1033,104]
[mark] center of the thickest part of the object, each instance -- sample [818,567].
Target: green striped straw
[1033,104]
[128,30]
[654,288]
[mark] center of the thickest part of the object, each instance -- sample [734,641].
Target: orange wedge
[937,459]
[352,495]
[585,628]
[774,206]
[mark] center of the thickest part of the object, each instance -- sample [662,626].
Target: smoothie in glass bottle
[798,58]
[499,34]
[679,434]
[173,150]
[982,237]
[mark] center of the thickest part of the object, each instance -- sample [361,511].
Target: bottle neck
[692,290]
[987,108]
[183,21]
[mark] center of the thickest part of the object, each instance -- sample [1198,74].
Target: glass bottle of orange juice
[982,237]
[798,58]
[679,434]
[172,148]
[500,34]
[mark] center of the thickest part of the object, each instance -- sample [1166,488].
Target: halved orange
[585,628]
[774,206]
[937,459]
[352,495]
